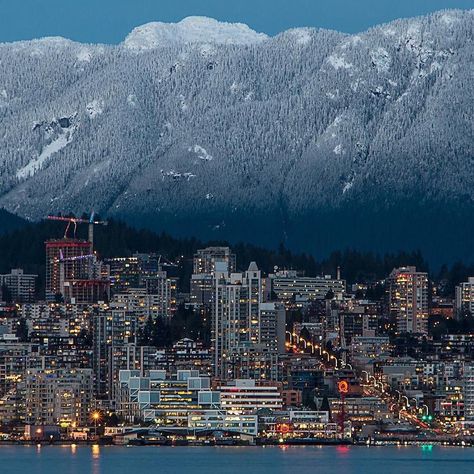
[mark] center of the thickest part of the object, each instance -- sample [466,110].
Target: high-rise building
[74,272]
[58,396]
[157,299]
[114,328]
[272,326]
[21,287]
[202,289]
[408,299]
[464,302]
[468,391]
[205,260]
[65,262]
[131,272]
[246,333]
[236,312]
[162,293]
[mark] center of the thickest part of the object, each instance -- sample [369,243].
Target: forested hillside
[313,138]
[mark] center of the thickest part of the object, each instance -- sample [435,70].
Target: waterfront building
[245,396]
[58,397]
[165,401]
[468,391]
[218,420]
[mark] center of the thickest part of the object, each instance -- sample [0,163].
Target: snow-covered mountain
[188,31]
[315,138]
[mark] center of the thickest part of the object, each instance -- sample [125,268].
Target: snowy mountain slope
[313,137]
[190,30]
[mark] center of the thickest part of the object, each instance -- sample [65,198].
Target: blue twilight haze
[109,21]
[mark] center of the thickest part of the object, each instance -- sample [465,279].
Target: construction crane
[74,221]
[166,262]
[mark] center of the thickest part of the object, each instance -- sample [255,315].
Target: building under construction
[72,269]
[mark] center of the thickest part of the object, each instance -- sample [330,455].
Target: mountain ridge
[262,142]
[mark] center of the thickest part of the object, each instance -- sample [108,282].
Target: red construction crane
[73,220]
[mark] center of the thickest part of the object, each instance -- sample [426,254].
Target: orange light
[343,387]
[283,428]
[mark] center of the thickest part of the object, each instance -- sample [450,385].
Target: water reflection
[95,451]
[95,459]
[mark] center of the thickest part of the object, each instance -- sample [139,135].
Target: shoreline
[258,444]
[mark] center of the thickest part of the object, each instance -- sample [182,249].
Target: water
[235,460]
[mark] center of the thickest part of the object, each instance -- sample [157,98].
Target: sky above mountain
[109,21]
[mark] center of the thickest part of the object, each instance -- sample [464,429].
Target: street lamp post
[96,418]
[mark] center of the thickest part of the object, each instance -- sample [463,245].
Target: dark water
[230,460]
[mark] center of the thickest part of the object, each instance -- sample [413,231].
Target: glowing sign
[343,387]
[283,428]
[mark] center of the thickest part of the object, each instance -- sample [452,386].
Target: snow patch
[84,55]
[381,59]
[182,103]
[132,100]
[352,41]
[207,50]
[379,91]
[3,98]
[48,151]
[339,62]
[338,150]
[347,186]
[302,36]
[448,19]
[95,108]
[201,153]
[176,175]
[337,121]
[435,66]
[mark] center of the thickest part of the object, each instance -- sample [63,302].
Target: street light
[408,401]
[95,417]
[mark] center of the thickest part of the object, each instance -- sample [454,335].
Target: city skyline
[266,358]
[236,224]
